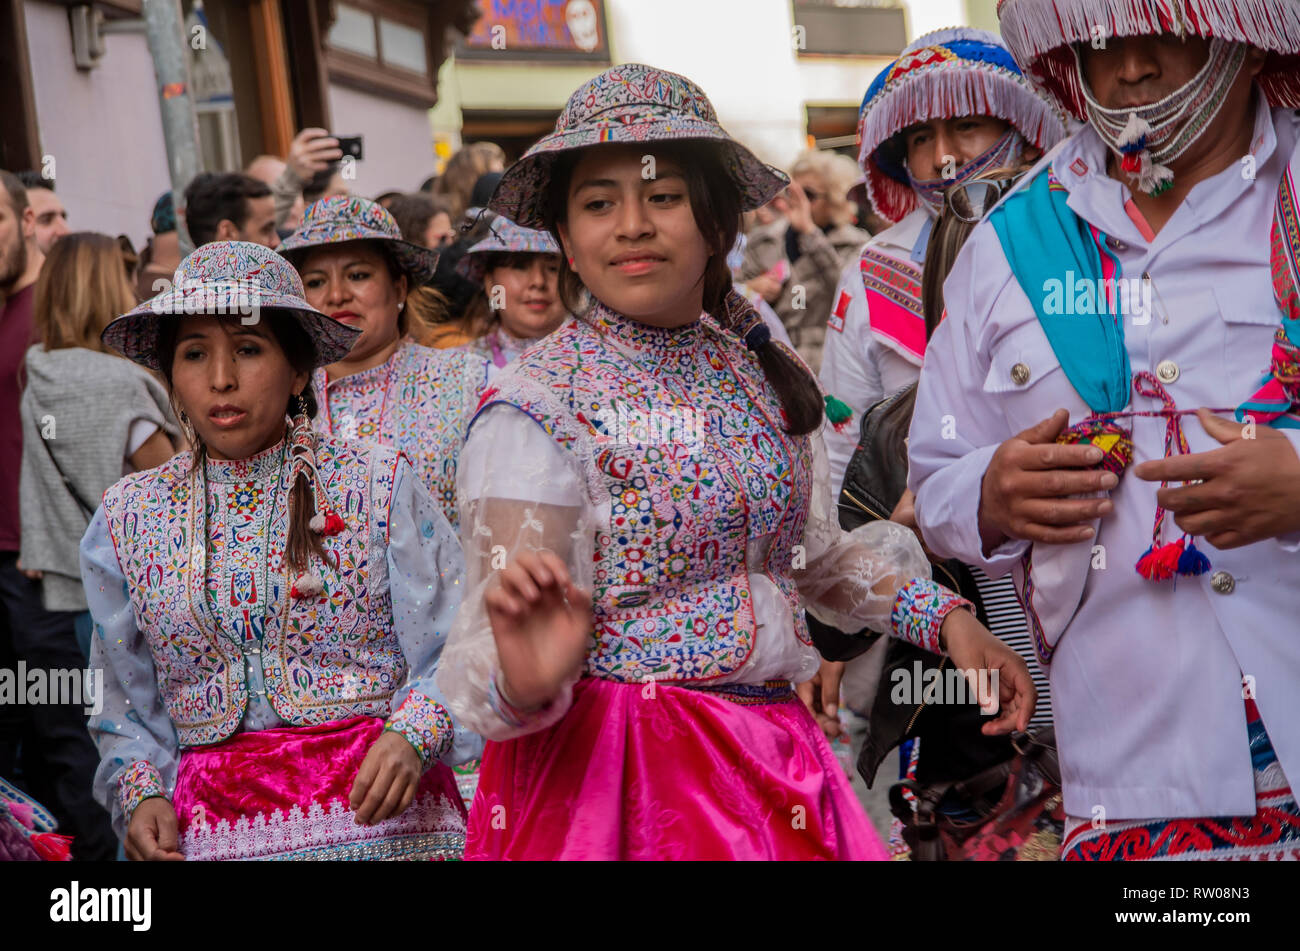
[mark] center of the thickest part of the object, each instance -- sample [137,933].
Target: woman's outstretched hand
[542,625]
[973,648]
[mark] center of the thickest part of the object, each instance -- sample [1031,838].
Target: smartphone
[350,145]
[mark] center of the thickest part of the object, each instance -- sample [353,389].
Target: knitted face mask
[1148,138]
[1005,151]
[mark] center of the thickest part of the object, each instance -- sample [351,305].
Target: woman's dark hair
[716,205]
[300,352]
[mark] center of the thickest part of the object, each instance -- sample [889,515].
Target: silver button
[1223,582]
[1020,374]
[1118,245]
[1168,371]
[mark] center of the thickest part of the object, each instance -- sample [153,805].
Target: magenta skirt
[680,774]
[283,794]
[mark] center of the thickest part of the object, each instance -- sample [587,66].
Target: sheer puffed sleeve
[138,750]
[518,490]
[426,578]
[875,576]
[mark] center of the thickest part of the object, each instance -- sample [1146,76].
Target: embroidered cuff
[510,714]
[139,782]
[919,611]
[426,725]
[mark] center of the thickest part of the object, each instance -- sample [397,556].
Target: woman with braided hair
[646,513]
[270,607]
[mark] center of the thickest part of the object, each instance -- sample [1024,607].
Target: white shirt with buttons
[1146,676]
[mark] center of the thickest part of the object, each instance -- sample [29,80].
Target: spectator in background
[795,262]
[230,206]
[386,199]
[43,745]
[162,254]
[327,183]
[422,220]
[111,416]
[51,216]
[456,183]
[311,151]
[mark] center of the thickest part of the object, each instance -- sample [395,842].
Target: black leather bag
[954,746]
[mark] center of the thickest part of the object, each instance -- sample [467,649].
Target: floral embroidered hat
[343,218]
[1041,32]
[635,104]
[505,237]
[942,75]
[228,278]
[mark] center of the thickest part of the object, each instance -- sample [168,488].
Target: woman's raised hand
[541,622]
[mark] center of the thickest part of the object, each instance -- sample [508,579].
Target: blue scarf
[1052,251]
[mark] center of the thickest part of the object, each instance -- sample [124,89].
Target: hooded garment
[80,405]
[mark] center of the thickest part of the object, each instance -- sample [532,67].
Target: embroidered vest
[680,436]
[417,402]
[323,659]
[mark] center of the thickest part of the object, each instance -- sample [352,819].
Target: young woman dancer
[518,269]
[356,268]
[269,608]
[645,506]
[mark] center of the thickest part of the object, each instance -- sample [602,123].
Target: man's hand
[766,286]
[312,151]
[152,835]
[1026,489]
[1245,492]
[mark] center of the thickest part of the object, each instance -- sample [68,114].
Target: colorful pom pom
[307,586]
[333,524]
[1193,561]
[317,523]
[1135,136]
[839,413]
[1160,563]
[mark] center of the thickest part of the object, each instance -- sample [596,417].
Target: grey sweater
[78,404]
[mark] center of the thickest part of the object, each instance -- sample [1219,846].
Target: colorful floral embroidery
[416,403]
[919,611]
[424,724]
[201,602]
[138,782]
[678,429]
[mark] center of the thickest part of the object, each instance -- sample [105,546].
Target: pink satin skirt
[680,774]
[283,794]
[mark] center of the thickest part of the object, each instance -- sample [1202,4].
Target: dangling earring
[301,402]
[401,306]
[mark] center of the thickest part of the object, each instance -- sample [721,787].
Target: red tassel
[52,847]
[1132,163]
[1160,564]
[333,524]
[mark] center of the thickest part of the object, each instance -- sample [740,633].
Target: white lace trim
[331,834]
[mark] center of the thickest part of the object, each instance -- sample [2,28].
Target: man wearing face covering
[1111,412]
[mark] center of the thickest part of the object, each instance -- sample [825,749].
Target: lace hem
[431,827]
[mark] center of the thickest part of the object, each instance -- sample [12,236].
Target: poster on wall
[538,29]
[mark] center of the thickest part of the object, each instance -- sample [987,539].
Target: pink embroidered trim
[919,611]
[431,827]
[140,781]
[426,725]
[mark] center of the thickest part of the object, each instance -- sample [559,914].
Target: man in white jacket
[1189,156]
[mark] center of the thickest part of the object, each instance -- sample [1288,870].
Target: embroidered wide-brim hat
[505,237]
[943,75]
[342,218]
[630,104]
[228,279]
[1041,33]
